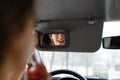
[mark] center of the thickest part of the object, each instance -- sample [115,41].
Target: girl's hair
[52,42]
[12,20]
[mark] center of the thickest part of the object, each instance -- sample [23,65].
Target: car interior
[79,39]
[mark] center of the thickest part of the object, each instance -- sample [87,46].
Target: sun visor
[82,36]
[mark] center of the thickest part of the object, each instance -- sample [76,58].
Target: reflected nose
[60,36]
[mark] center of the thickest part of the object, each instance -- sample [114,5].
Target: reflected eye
[56,34]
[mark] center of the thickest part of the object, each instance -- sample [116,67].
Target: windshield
[102,64]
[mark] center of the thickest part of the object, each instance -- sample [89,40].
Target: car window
[103,64]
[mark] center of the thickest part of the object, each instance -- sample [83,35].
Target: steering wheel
[56,72]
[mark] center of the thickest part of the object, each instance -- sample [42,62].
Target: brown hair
[12,20]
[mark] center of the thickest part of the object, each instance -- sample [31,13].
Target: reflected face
[58,39]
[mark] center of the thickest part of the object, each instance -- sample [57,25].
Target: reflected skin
[58,39]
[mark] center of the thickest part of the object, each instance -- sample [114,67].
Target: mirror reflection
[57,39]
[52,39]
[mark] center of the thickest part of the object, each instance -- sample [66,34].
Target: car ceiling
[69,9]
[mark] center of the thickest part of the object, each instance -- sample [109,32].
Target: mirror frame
[53,31]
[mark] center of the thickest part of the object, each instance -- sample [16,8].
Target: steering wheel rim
[62,71]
